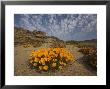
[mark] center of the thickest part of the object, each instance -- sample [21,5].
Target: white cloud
[60,28]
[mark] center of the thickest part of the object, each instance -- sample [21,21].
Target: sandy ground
[77,68]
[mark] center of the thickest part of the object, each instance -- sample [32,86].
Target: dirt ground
[78,68]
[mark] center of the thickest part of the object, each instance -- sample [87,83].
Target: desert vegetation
[50,59]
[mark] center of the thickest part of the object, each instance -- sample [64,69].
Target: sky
[64,26]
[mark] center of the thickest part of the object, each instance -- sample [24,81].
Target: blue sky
[64,26]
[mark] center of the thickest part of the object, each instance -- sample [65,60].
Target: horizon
[59,38]
[77,27]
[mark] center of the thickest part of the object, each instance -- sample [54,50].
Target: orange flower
[45,67]
[36,59]
[42,61]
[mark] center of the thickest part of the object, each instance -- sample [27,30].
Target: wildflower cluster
[46,59]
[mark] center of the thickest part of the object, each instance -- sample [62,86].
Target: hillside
[35,38]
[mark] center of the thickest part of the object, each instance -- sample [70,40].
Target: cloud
[60,25]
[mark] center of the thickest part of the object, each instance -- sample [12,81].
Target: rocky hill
[35,38]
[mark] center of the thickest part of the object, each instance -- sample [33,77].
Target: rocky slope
[35,38]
